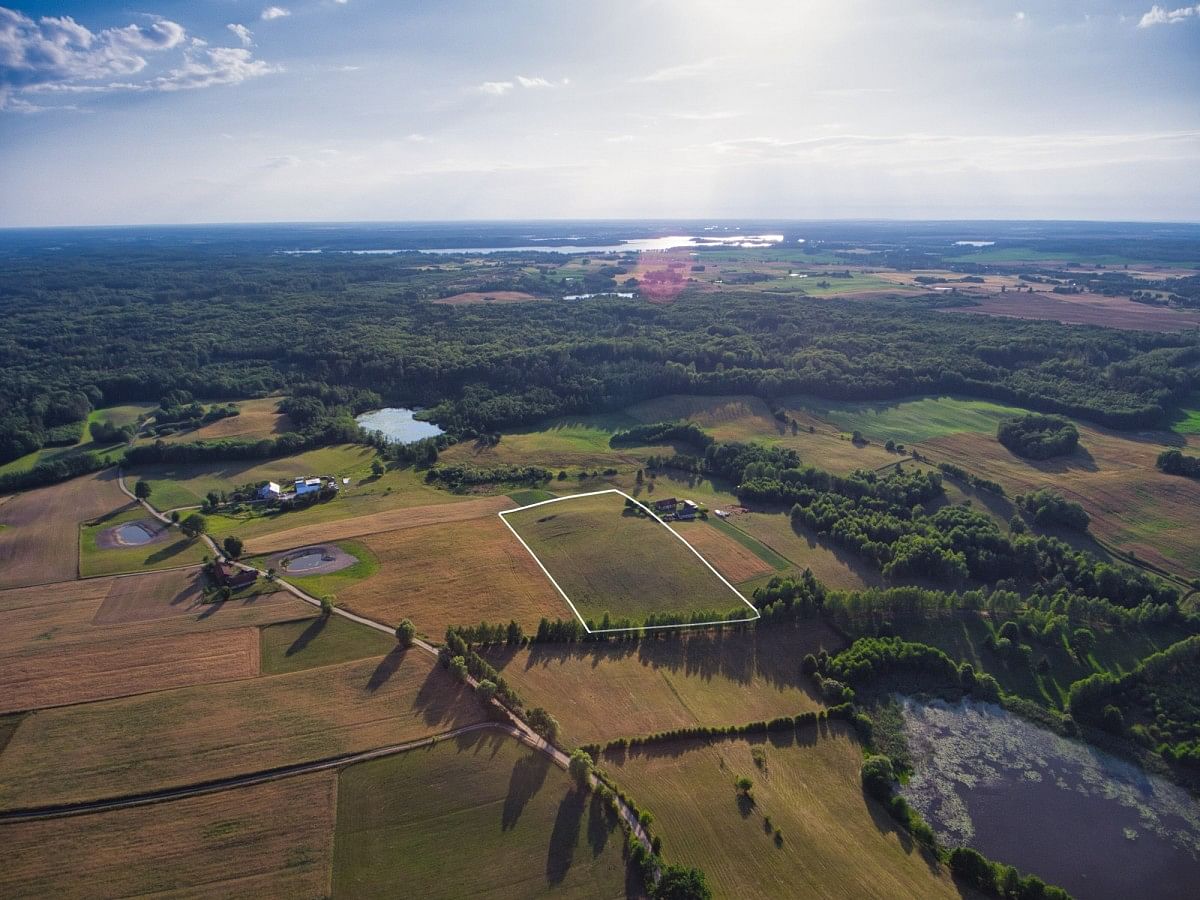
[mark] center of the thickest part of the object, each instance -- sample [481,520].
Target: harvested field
[834,842]
[132,608]
[392,520]
[39,542]
[479,816]
[600,692]
[1083,309]
[1133,506]
[271,839]
[611,560]
[469,297]
[832,565]
[258,419]
[203,733]
[57,674]
[736,562]
[458,573]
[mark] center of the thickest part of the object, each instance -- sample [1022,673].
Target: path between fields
[518,728]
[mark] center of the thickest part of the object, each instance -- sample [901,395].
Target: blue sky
[228,110]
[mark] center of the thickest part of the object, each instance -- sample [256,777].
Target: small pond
[134,533]
[1075,816]
[398,425]
[306,560]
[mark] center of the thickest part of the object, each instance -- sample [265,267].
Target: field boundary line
[655,517]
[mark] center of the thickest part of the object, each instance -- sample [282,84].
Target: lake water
[631,245]
[309,559]
[134,533]
[628,295]
[974,243]
[1073,815]
[398,425]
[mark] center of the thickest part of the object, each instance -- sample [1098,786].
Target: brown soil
[469,297]
[40,542]
[273,839]
[175,593]
[109,539]
[391,520]
[726,555]
[58,675]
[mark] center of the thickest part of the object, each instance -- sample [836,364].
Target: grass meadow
[609,559]
[476,816]
[175,550]
[321,641]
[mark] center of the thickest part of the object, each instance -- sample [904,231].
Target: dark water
[134,533]
[308,560]
[398,425]
[1075,816]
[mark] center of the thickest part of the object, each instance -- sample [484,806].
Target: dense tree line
[1036,436]
[1173,462]
[460,475]
[1047,507]
[86,331]
[662,433]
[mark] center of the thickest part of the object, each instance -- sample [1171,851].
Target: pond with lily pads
[1095,825]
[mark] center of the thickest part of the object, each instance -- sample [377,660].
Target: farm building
[229,577]
[307,486]
[270,491]
[666,505]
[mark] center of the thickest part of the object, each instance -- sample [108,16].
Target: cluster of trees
[484,367]
[961,474]
[998,880]
[460,475]
[1046,507]
[780,723]
[1037,436]
[1173,462]
[869,660]
[662,433]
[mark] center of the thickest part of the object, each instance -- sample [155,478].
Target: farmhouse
[229,577]
[307,486]
[270,491]
[687,511]
[666,505]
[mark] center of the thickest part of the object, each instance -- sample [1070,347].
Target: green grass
[329,585]
[322,641]
[570,443]
[1026,254]
[524,498]
[118,415]
[1188,422]
[909,421]
[176,550]
[479,816]
[186,484]
[608,560]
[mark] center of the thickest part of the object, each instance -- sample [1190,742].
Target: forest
[85,331]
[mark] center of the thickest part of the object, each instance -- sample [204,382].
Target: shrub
[1038,436]
[406,632]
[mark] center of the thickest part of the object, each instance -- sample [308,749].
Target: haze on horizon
[357,110]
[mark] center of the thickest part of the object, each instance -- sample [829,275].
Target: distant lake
[398,425]
[561,245]
[1075,816]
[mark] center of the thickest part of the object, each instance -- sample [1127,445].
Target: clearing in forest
[611,558]
[479,816]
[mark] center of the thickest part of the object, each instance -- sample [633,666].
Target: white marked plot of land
[631,567]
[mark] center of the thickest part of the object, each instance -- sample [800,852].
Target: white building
[307,486]
[270,491]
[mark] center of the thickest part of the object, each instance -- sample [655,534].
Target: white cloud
[536,82]
[680,72]
[496,88]
[242,33]
[60,56]
[1019,16]
[526,82]
[1159,16]
[274,12]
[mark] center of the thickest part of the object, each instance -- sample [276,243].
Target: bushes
[998,880]
[1049,508]
[459,476]
[1173,462]
[1037,436]
[662,433]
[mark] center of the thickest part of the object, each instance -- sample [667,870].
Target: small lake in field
[134,533]
[628,295]
[398,425]
[1075,816]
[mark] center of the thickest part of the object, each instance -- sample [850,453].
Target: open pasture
[209,732]
[468,298]
[319,641]
[909,421]
[1134,507]
[832,565]
[456,573]
[735,561]
[186,484]
[258,420]
[571,443]
[599,692]
[609,559]
[269,839]
[99,556]
[57,674]
[477,816]
[39,542]
[834,842]
[378,523]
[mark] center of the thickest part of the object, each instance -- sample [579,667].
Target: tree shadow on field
[567,825]
[168,551]
[385,670]
[601,822]
[527,778]
[315,627]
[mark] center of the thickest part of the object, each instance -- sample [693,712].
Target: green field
[322,641]
[477,816]
[118,415]
[186,484]
[572,443]
[833,841]
[176,550]
[909,421]
[525,498]
[610,560]
[1188,421]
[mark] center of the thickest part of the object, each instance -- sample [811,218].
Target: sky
[158,111]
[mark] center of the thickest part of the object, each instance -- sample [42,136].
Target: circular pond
[315,560]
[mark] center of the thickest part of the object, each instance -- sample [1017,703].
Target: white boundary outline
[670,530]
